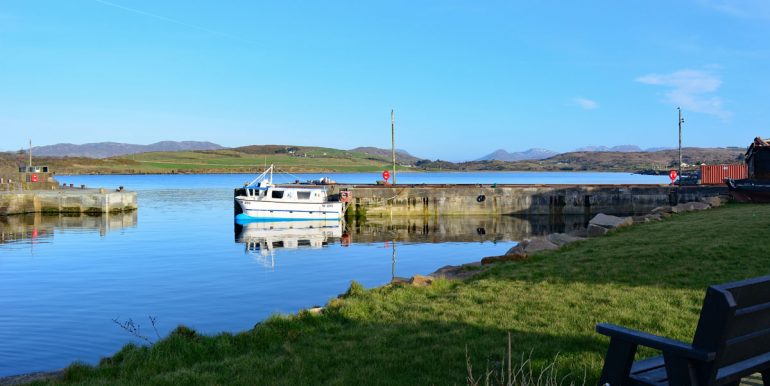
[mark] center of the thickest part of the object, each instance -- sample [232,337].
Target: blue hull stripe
[246,218]
[291,211]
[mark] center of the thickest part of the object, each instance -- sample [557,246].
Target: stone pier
[66,201]
[442,200]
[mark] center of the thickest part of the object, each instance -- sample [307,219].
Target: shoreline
[35,376]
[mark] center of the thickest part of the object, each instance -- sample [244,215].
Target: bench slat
[745,347]
[653,377]
[749,319]
[743,369]
[650,371]
[648,364]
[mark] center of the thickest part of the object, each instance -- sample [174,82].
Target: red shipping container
[716,174]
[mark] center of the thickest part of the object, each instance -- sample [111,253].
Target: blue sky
[465,77]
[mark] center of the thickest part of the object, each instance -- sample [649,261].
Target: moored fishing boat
[261,200]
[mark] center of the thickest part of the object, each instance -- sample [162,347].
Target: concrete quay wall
[66,201]
[440,200]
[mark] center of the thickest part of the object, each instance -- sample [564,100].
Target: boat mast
[393,142]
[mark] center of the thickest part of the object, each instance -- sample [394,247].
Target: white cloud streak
[586,104]
[173,21]
[747,9]
[691,90]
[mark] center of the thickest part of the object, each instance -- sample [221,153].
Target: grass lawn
[650,277]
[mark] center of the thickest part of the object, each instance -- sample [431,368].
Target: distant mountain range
[539,154]
[113,149]
[620,148]
[531,154]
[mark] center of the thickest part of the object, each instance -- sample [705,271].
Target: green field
[650,277]
[230,159]
[242,160]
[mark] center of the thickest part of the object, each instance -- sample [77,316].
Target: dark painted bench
[732,341]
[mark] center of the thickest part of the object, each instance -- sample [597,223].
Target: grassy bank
[649,276]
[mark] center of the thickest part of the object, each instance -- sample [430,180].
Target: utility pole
[393,142]
[30,155]
[681,120]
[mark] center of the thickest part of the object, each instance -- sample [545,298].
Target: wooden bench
[732,341]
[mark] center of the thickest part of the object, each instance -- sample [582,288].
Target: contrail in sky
[170,20]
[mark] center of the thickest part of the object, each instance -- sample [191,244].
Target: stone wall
[66,201]
[441,200]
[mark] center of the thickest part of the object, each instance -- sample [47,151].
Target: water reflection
[460,228]
[263,239]
[34,228]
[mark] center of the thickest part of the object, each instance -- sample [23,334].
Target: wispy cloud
[690,89]
[586,104]
[751,9]
[172,20]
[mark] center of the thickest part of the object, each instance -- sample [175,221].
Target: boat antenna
[393,141]
[288,174]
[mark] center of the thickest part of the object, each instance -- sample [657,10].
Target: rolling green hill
[247,159]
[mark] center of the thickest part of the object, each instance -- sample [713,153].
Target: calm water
[180,258]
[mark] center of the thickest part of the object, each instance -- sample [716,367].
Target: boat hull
[255,210]
[747,190]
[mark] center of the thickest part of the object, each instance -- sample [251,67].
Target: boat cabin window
[303,195]
[277,194]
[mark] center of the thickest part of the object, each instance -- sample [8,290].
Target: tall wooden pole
[393,141]
[30,154]
[680,148]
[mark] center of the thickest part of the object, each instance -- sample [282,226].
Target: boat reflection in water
[40,228]
[263,238]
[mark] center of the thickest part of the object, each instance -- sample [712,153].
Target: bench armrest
[655,342]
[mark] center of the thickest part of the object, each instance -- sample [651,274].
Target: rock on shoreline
[31,377]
